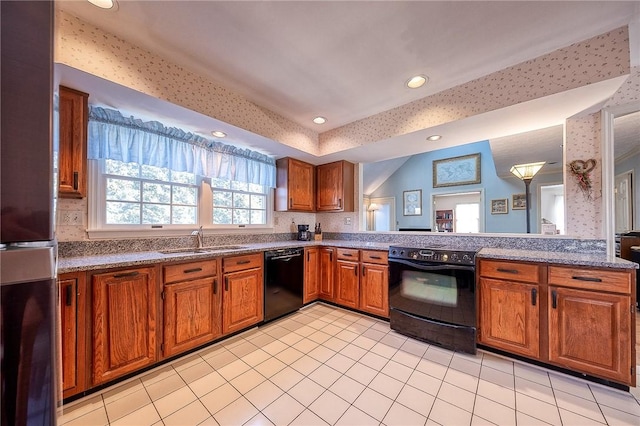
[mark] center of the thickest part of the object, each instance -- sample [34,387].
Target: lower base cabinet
[242,296]
[124,322]
[72,299]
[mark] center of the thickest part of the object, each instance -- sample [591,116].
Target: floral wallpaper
[92,50]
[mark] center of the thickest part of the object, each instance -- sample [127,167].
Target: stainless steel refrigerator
[28,249]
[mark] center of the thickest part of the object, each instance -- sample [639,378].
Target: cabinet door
[124,322]
[72,177]
[242,301]
[326,273]
[374,289]
[295,185]
[311,274]
[510,316]
[591,332]
[191,314]
[347,283]
[335,187]
[71,291]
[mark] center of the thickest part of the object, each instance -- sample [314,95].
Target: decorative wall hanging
[463,170]
[412,202]
[518,201]
[500,206]
[580,170]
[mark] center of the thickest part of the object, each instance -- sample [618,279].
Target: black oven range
[432,295]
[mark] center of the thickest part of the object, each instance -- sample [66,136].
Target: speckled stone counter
[558,258]
[125,259]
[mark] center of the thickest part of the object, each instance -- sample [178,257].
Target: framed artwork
[412,202]
[463,170]
[519,201]
[500,206]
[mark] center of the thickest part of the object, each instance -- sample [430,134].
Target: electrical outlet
[70,218]
[347,221]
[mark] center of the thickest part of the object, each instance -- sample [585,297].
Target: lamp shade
[373,207]
[526,171]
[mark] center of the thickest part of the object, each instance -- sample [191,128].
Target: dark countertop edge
[557,258]
[112,261]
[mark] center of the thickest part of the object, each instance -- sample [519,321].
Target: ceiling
[349,60]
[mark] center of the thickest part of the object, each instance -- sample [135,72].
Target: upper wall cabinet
[72,180]
[335,187]
[295,185]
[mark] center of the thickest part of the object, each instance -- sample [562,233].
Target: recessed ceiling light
[103,4]
[416,81]
[434,138]
[319,120]
[218,134]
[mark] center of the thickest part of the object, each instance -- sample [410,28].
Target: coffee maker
[303,233]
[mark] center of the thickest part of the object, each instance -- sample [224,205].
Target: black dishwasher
[283,282]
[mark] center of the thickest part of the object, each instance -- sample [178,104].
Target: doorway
[552,206]
[381,214]
[623,207]
[457,212]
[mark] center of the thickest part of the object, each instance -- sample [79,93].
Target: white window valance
[113,136]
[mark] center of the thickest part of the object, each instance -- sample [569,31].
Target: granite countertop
[120,260]
[558,258]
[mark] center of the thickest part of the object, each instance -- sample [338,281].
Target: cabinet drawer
[591,279]
[348,254]
[512,271]
[373,256]
[189,271]
[238,263]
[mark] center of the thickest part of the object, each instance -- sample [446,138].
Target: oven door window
[430,287]
[438,293]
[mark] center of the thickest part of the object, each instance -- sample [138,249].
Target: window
[238,203]
[137,194]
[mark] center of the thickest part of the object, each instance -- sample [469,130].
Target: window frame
[98,228]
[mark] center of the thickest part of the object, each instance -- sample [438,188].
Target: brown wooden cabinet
[295,185]
[124,322]
[192,306]
[311,274]
[326,273]
[335,187]
[572,317]
[72,160]
[242,300]
[72,302]
[509,306]
[374,283]
[590,329]
[347,275]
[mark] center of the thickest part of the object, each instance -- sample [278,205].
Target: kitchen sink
[210,249]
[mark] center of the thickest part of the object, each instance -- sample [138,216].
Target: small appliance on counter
[303,233]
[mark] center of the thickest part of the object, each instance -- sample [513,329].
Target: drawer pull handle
[76,179]
[375,257]
[226,283]
[347,254]
[534,296]
[508,271]
[189,271]
[242,262]
[127,274]
[69,294]
[554,299]
[592,279]
[215,286]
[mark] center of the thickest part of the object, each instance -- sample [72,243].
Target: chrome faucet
[200,235]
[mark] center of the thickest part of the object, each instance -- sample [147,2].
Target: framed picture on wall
[500,206]
[463,170]
[412,202]
[519,201]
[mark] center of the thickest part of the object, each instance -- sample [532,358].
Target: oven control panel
[450,256]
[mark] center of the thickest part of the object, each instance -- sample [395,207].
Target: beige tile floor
[324,365]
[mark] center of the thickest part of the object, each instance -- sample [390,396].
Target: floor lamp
[526,172]
[372,208]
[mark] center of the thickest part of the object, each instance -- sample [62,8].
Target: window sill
[97,234]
